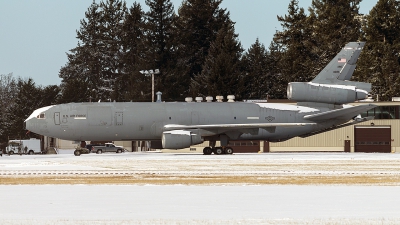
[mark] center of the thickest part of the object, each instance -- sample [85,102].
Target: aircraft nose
[37,119]
[28,123]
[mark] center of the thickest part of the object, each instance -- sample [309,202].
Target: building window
[383,112]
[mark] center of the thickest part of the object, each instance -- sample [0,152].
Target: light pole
[148,73]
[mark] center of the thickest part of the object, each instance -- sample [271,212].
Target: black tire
[99,151]
[77,153]
[229,150]
[207,151]
[31,152]
[10,153]
[119,150]
[218,151]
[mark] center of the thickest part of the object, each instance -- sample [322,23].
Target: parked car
[89,146]
[108,147]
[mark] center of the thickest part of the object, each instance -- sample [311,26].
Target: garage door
[245,146]
[372,139]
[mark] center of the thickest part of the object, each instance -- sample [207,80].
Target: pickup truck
[108,147]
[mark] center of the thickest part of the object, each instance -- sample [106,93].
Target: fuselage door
[195,118]
[57,118]
[119,116]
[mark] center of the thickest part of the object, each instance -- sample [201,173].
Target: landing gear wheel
[77,153]
[218,151]
[229,150]
[207,151]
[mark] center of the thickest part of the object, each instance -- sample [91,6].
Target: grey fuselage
[115,121]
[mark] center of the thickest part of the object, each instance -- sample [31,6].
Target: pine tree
[256,74]
[383,22]
[8,94]
[82,72]
[113,15]
[28,99]
[133,83]
[198,24]
[221,73]
[96,61]
[297,41]
[379,63]
[159,42]
[333,24]
[277,82]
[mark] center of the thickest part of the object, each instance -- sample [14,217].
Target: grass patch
[204,180]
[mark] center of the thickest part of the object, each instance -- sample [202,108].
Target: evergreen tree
[96,61]
[333,24]
[221,73]
[277,82]
[113,15]
[379,63]
[28,99]
[133,47]
[82,72]
[198,24]
[383,22]
[297,40]
[8,94]
[256,73]
[159,42]
[50,95]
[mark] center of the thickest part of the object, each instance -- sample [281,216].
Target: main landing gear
[217,150]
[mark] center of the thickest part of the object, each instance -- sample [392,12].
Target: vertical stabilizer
[332,85]
[342,67]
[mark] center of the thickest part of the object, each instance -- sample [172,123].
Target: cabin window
[41,116]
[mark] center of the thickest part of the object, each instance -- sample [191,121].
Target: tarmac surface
[167,188]
[197,169]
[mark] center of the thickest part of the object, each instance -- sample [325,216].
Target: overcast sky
[35,35]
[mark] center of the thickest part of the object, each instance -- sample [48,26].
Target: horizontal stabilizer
[342,114]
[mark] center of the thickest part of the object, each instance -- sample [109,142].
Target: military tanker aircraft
[321,106]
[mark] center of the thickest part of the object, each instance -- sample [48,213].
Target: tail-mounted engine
[326,93]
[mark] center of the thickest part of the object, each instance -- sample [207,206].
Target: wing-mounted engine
[327,93]
[177,139]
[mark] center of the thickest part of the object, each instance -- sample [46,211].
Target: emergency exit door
[57,118]
[119,117]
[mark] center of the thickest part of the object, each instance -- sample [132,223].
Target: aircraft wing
[344,113]
[233,129]
[232,126]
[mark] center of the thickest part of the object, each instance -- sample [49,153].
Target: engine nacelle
[324,93]
[178,139]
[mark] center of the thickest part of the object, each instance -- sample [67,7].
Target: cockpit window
[41,116]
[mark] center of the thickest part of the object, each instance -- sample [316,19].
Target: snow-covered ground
[209,203]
